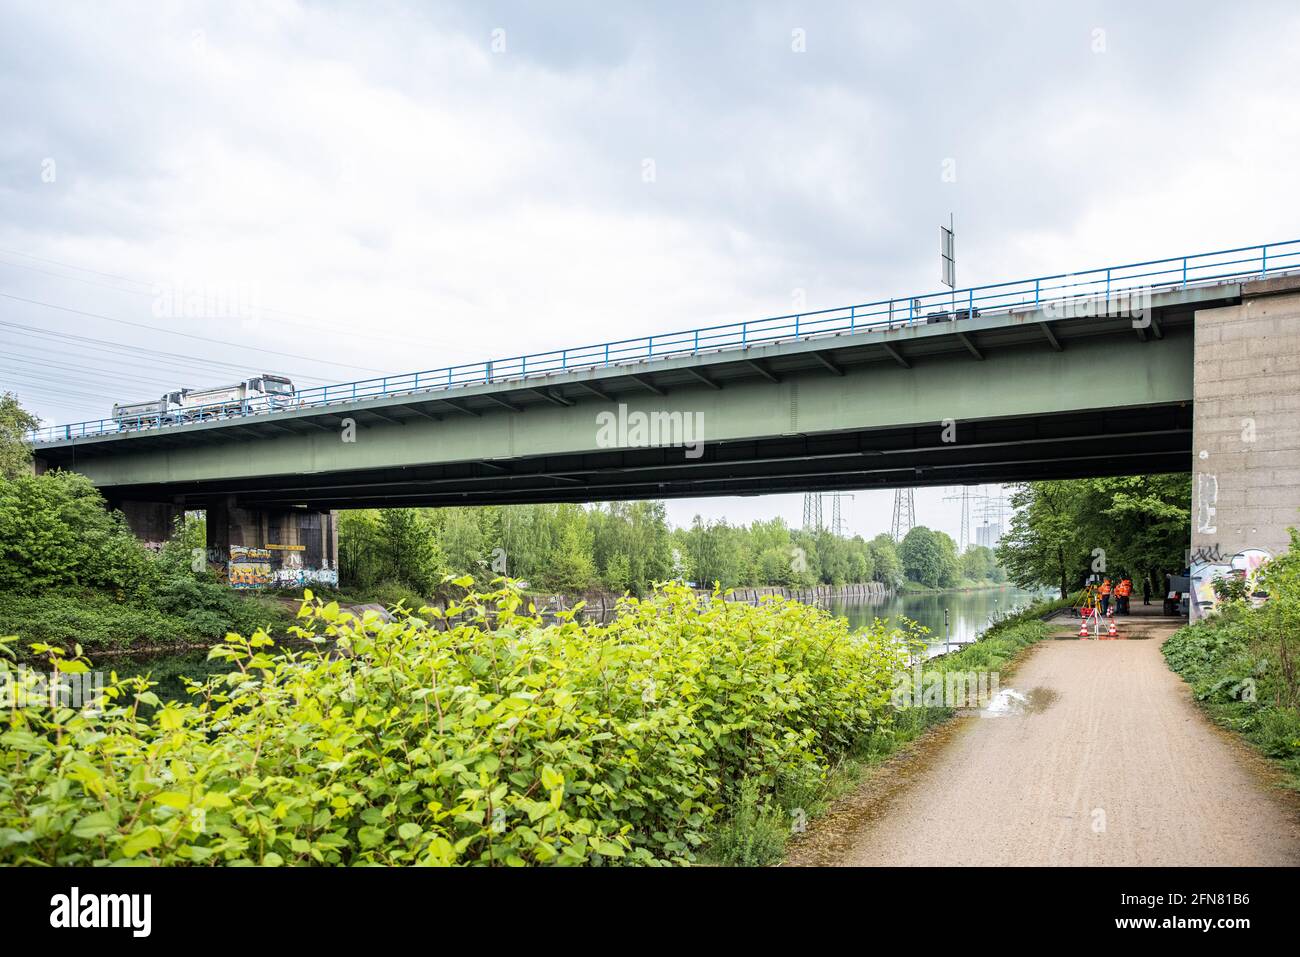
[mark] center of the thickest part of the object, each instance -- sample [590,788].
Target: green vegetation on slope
[72,572]
[1243,663]
[500,740]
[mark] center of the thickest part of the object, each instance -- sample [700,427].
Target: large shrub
[55,533]
[497,740]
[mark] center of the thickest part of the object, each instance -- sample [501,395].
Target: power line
[29,361]
[313,321]
[54,389]
[155,365]
[187,335]
[123,346]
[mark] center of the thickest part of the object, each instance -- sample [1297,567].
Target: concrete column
[262,548]
[1246,433]
[151,522]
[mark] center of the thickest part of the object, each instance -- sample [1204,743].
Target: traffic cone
[1083,627]
[1112,632]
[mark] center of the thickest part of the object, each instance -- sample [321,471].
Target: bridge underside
[1124,441]
[1019,396]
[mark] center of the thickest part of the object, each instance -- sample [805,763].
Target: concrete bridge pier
[1245,433]
[272,547]
[151,522]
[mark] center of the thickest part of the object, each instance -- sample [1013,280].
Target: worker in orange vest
[1122,591]
[1104,593]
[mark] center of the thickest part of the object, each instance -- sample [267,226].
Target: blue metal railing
[1246,262]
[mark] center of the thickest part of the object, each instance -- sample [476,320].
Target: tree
[461,539]
[15,454]
[949,561]
[1042,544]
[569,565]
[923,557]
[712,553]
[1063,531]
[887,567]
[415,558]
[978,563]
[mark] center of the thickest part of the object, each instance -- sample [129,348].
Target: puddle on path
[1009,702]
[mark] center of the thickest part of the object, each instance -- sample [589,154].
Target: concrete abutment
[1245,434]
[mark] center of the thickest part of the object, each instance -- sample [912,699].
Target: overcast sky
[407,186]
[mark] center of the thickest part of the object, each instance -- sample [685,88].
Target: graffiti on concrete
[1208,564]
[1208,554]
[1207,500]
[271,567]
[304,577]
[249,567]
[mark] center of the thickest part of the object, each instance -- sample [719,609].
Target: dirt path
[1109,762]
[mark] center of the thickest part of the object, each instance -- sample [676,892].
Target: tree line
[628,546]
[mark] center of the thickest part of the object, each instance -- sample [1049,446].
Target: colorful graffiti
[1209,564]
[249,567]
[276,566]
[305,577]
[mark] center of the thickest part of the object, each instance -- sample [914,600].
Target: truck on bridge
[264,393]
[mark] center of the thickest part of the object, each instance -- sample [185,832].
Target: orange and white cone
[1083,627]
[1112,632]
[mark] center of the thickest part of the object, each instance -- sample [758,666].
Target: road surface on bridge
[1107,761]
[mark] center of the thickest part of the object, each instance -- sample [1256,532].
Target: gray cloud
[405,197]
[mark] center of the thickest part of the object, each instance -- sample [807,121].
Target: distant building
[988,535]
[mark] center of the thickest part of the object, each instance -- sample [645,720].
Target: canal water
[969,613]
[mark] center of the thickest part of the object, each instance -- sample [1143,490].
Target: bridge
[1135,368]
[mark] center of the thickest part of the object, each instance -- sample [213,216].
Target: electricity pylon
[812,512]
[993,507]
[964,496]
[904,513]
[837,519]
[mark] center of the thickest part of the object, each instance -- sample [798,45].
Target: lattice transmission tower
[814,514]
[812,511]
[964,496]
[837,517]
[904,513]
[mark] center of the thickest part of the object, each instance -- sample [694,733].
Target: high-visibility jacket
[1104,589]
[1124,589]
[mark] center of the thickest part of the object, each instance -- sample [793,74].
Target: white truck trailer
[264,393]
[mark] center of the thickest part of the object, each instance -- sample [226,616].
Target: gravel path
[1110,762]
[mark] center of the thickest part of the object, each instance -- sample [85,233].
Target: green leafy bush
[1242,662]
[493,740]
[55,534]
